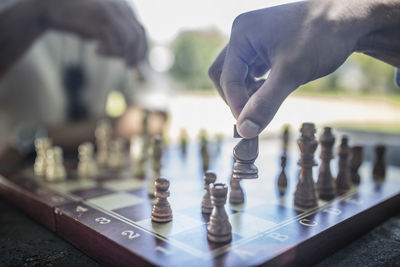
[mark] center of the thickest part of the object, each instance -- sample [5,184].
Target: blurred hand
[297,43]
[111,22]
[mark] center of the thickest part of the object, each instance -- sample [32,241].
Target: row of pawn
[49,163]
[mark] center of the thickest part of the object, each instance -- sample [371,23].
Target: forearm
[20,26]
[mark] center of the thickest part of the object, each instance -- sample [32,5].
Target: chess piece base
[244,171]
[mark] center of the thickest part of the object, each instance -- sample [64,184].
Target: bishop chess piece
[305,195]
[356,160]
[42,145]
[326,183]
[236,194]
[379,170]
[219,230]
[55,170]
[282,178]
[103,134]
[87,167]
[206,205]
[161,212]
[117,158]
[244,154]
[343,177]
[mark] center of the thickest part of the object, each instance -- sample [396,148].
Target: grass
[392,129]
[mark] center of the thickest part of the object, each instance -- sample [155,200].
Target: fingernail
[249,129]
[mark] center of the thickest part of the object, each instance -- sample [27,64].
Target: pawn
[55,170]
[161,212]
[87,167]
[355,163]
[41,147]
[343,178]
[326,183]
[206,205]
[116,155]
[219,230]
[282,179]
[379,170]
[236,195]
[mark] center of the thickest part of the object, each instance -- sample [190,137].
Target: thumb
[264,103]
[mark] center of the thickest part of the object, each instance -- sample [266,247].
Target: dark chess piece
[244,154]
[161,209]
[326,183]
[183,142]
[343,177]
[305,195]
[157,154]
[285,138]
[205,155]
[355,163]
[379,170]
[236,194]
[282,179]
[206,205]
[219,230]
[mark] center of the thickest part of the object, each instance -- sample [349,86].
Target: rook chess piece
[219,230]
[161,209]
[305,192]
[379,170]
[55,170]
[236,194]
[206,205]
[282,179]
[343,178]
[325,183]
[355,163]
[244,154]
[87,167]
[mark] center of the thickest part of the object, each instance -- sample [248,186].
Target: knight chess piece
[206,205]
[55,170]
[244,154]
[117,158]
[356,160]
[282,178]
[219,230]
[41,146]
[343,177]
[379,170]
[236,194]
[103,134]
[87,167]
[161,209]
[326,183]
[305,195]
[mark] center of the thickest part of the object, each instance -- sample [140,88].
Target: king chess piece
[356,160]
[343,177]
[244,154]
[326,183]
[379,170]
[282,179]
[305,195]
[161,209]
[206,205]
[219,230]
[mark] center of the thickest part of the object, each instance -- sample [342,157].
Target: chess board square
[72,185]
[124,185]
[274,213]
[180,223]
[248,204]
[137,212]
[248,225]
[116,201]
[92,192]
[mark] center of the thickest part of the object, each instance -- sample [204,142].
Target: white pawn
[41,147]
[55,170]
[87,167]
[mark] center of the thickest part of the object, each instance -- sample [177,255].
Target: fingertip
[248,129]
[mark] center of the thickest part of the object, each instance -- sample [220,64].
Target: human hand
[111,22]
[296,42]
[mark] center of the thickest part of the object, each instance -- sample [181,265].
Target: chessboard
[109,216]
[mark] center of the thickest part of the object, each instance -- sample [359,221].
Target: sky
[164,19]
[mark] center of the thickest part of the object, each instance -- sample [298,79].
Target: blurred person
[298,43]
[52,80]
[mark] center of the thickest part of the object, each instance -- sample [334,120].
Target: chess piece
[219,230]
[183,142]
[103,133]
[140,157]
[236,194]
[205,156]
[285,138]
[206,205]
[157,153]
[355,163]
[161,209]
[41,147]
[379,170]
[282,179]
[55,170]
[245,153]
[116,157]
[343,178]
[326,183]
[305,195]
[87,167]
